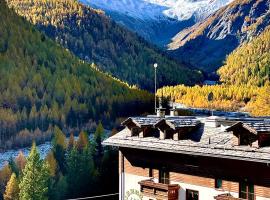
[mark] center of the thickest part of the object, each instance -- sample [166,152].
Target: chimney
[173,112]
[161,112]
[213,121]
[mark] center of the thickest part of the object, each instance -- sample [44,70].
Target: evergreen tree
[71,141]
[98,148]
[52,164]
[5,174]
[12,189]
[20,161]
[88,173]
[83,141]
[58,188]
[59,147]
[73,180]
[13,166]
[34,183]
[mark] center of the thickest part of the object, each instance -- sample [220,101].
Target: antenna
[210,98]
[155,67]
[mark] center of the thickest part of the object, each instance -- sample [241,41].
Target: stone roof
[179,122]
[204,141]
[259,126]
[143,121]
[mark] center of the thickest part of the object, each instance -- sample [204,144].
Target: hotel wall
[205,186]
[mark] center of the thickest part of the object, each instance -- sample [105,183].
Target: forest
[43,85]
[74,168]
[252,99]
[250,63]
[245,82]
[94,37]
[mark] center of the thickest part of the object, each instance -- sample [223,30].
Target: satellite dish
[210,96]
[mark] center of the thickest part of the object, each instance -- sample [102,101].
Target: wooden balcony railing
[159,190]
[230,197]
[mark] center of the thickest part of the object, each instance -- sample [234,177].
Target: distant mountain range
[157,20]
[206,44]
[200,33]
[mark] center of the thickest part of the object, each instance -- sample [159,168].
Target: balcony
[159,190]
[249,196]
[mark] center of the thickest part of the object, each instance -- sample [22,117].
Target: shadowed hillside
[93,37]
[43,84]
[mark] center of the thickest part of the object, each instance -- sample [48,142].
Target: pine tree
[20,162]
[83,141]
[98,149]
[34,183]
[58,188]
[12,189]
[59,147]
[52,164]
[71,141]
[5,174]
[73,180]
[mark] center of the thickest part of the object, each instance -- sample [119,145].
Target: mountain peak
[207,43]
[157,20]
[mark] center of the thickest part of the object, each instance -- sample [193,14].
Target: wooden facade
[197,170]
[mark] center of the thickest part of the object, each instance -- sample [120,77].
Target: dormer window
[252,133]
[176,128]
[245,134]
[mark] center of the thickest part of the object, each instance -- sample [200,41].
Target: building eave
[193,153]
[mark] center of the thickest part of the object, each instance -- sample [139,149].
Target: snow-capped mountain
[157,20]
[155,9]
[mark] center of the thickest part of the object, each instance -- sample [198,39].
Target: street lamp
[155,67]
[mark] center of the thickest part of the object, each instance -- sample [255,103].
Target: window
[246,191]
[164,176]
[218,183]
[192,195]
[151,172]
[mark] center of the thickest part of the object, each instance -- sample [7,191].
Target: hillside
[252,99]
[206,44]
[250,63]
[94,37]
[43,84]
[245,81]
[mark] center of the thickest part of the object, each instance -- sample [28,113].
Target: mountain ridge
[206,44]
[149,18]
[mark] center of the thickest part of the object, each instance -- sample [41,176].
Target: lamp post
[155,67]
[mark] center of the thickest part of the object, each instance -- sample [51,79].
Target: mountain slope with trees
[250,63]
[94,37]
[245,81]
[43,85]
[206,45]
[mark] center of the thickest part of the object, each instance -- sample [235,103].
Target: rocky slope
[206,44]
[157,20]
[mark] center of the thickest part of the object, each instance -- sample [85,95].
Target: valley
[75,72]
